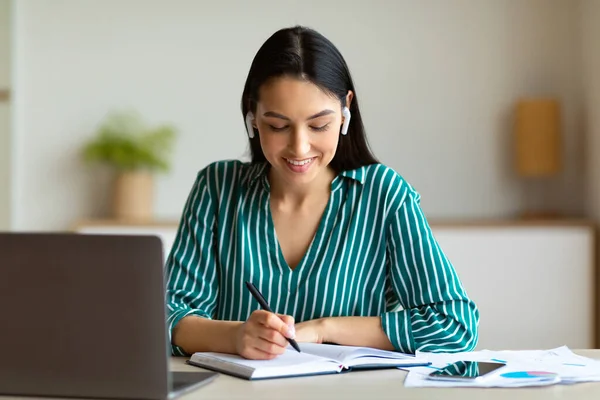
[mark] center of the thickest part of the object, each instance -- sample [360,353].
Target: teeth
[303,162]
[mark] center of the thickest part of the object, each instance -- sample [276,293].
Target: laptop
[84,316]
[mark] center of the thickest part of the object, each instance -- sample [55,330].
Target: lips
[300,166]
[299,163]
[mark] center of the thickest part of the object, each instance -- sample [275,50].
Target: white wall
[590,14]
[436,81]
[590,35]
[5,143]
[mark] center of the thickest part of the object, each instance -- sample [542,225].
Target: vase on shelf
[133,195]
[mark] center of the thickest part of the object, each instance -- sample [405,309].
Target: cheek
[272,143]
[329,142]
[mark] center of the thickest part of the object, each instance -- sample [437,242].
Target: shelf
[99,223]
[511,222]
[435,223]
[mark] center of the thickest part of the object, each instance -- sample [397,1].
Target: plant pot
[133,195]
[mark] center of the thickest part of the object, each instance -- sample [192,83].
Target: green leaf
[124,142]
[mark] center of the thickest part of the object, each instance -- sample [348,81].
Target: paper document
[523,368]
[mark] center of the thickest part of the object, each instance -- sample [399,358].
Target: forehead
[291,93]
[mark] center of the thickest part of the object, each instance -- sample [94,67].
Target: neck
[300,195]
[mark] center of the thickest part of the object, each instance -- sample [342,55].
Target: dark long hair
[305,54]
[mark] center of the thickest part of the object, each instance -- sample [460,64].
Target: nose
[299,144]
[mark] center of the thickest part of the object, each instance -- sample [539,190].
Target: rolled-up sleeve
[191,274]
[437,314]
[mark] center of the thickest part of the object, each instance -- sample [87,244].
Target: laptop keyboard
[178,384]
[181,380]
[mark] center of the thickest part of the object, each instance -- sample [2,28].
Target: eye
[277,129]
[320,128]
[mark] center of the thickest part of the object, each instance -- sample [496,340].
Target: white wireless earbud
[346,114]
[249,127]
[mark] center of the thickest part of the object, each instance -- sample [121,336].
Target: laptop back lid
[82,315]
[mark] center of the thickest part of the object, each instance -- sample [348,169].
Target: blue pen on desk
[263,303]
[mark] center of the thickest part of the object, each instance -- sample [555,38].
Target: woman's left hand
[312,331]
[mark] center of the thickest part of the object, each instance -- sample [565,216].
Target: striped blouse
[373,254]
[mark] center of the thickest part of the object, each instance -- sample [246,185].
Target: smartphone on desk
[465,371]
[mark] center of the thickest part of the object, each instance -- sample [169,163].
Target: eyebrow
[280,116]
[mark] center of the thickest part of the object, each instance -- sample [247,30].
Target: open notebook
[315,359]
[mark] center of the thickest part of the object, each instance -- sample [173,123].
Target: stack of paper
[523,368]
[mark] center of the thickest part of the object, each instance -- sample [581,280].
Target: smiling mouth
[299,162]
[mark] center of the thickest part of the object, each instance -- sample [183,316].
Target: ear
[349,97]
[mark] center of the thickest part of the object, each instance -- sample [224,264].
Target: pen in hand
[263,303]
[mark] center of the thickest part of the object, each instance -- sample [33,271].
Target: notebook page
[375,357]
[352,355]
[330,351]
[289,363]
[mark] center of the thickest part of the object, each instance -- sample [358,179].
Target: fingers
[263,335]
[270,347]
[272,336]
[252,353]
[289,321]
[261,343]
[283,324]
[278,327]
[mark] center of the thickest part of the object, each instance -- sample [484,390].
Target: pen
[263,303]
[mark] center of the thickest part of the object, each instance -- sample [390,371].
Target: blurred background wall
[590,17]
[5,133]
[437,83]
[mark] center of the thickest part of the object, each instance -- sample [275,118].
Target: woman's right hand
[264,335]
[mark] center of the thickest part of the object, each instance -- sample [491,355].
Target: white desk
[382,384]
[371,385]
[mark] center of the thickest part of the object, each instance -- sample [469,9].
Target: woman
[335,241]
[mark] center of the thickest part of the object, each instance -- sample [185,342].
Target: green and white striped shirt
[373,255]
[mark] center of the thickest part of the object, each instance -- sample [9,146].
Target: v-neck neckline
[284,267]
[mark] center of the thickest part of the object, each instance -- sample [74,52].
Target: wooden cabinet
[165,230]
[534,282]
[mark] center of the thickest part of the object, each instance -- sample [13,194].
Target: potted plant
[135,151]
